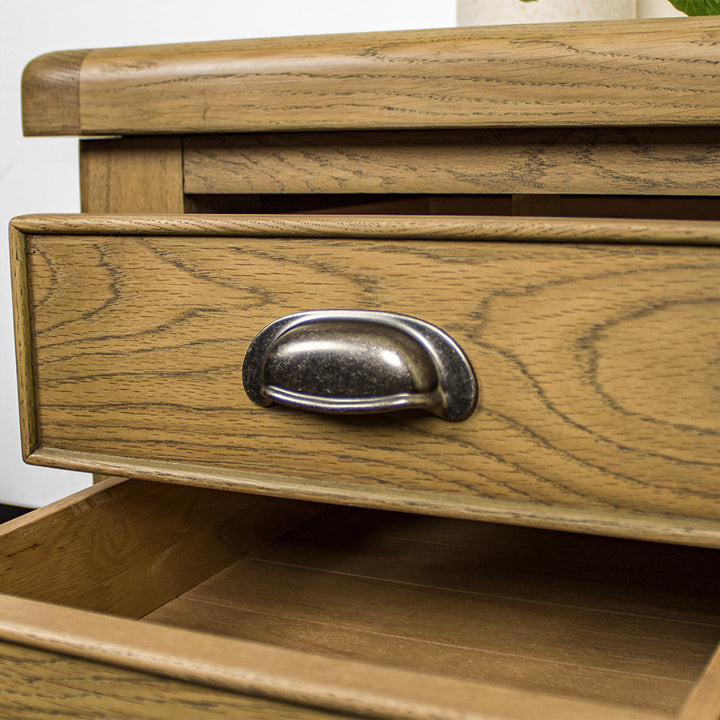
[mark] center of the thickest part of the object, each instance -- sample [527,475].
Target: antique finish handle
[359,361]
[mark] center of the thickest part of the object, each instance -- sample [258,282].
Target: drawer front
[595,345]
[85,689]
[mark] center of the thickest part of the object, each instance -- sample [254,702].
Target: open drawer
[594,344]
[147,600]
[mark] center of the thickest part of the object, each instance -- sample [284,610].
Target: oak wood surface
[131,175]
[260,671]
[623,623]
[128,547]
[595,362]
[635,161]
[23,342]
[490,228]
[38,684]
[664,528]
[636,643]
[51,94]
[659,72]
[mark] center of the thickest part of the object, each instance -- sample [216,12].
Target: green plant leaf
[697,7]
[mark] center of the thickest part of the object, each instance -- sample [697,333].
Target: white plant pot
[656,8]
[501,12]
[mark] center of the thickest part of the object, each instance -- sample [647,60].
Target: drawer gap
[689,207]
[614,621]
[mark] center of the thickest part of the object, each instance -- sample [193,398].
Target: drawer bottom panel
[612,621]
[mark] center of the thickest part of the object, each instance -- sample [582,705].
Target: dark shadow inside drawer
[616,621]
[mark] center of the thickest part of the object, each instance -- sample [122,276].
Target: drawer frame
[634,154]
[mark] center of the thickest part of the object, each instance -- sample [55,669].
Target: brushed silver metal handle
[359,361]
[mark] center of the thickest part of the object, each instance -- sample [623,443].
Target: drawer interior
[625,623]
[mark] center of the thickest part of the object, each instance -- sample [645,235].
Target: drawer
[595,344]
[146,599]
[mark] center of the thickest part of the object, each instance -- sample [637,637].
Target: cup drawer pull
[359,361]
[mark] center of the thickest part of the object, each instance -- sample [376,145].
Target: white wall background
[40,174]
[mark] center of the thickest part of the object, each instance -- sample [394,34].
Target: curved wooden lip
[488,228]
[51,93]
[562,74]
[613,523]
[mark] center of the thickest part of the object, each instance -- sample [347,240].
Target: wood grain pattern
[36,684]
[613,621]
[131,175]
[305,681]
[643,73]
[23,342]
[402,227]
[663,528]
[51,94]
[128,547]
[635,161]
[596,364]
